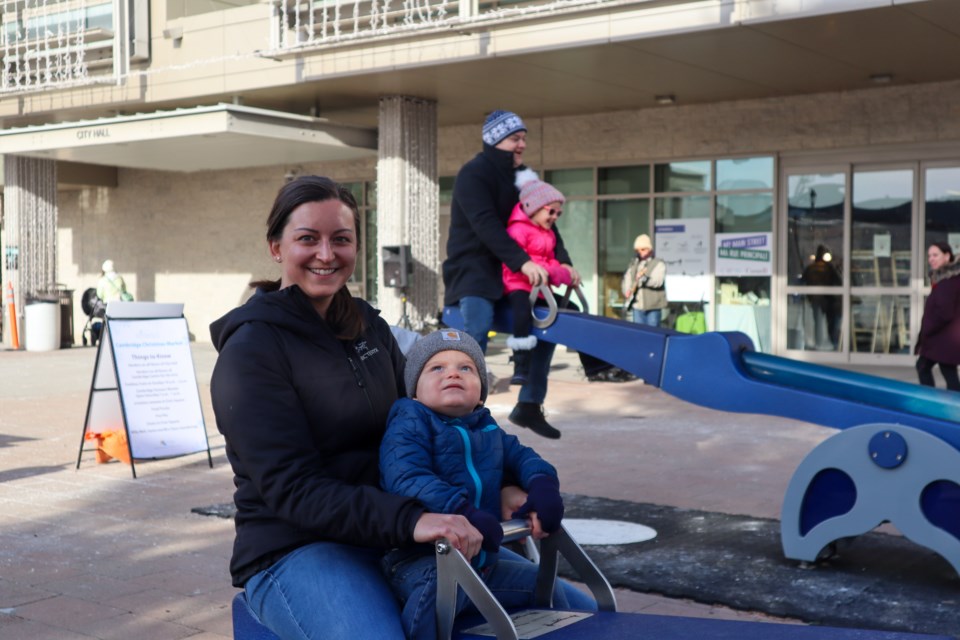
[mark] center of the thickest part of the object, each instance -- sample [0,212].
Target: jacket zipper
[358,376]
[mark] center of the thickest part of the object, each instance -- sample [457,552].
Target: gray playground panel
[882,494]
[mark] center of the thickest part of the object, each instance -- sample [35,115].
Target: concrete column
[408,197]
[30,230]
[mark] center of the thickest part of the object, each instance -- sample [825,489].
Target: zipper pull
[356,372]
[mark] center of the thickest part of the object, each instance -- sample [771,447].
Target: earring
[277,258]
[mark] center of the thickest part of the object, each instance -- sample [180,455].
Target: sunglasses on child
[553,212]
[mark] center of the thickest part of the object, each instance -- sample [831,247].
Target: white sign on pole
[684,245]
[158,387]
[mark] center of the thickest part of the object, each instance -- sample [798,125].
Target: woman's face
[937,258]
[318,250]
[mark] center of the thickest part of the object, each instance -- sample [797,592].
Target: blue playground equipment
[897,458]
[453,571]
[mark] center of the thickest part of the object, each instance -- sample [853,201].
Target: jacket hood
[518,216]
[946,271]
[288,309]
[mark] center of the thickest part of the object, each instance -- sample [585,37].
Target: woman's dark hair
[944,247]
[343,315]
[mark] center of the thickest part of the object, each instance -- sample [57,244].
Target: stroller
[96,310]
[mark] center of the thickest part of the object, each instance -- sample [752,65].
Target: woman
[301,390]
[305,378]
[939,341]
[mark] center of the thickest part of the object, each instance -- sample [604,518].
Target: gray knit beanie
[432,344]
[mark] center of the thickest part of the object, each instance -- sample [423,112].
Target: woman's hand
[511,499]
[575,278]
[456,529]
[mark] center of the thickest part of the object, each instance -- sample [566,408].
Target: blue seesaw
[897,458]
[455,572]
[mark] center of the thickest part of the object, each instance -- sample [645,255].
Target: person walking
[110,286]
[939,340]
[643,284]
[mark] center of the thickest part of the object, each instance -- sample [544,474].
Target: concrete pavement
[94,553]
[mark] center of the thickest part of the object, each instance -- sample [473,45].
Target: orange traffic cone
[12,316]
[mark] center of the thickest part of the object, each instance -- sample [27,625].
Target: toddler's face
[449,384]
[547,216]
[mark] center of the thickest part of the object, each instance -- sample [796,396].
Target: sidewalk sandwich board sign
[144,391]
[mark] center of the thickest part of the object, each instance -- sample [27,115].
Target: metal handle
[453,570]
[553,309]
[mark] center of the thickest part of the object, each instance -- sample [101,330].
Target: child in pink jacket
[531,225]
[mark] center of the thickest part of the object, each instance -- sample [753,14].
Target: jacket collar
[946,271]
[502,160]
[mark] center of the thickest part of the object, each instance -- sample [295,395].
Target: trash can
[64,297]
[42,324]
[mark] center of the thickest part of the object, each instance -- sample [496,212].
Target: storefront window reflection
[880,232]
[942,206]
[814,219]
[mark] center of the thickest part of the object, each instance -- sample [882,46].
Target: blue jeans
[326,590]
[511,579]
[651,318]
[478,321]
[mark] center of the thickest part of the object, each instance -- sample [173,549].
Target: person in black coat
[939,340]
[304,380]
[484,194]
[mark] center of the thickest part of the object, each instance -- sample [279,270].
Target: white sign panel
[158,387]
[684,245]
[745,254]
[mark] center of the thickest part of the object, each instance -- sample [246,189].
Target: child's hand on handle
[458,531]
[543,499]
[488,526]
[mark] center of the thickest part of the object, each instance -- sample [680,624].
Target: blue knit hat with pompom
[501,124]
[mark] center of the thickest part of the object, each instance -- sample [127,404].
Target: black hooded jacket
[484,194]
[303,413]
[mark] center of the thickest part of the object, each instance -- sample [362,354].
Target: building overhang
[217,137]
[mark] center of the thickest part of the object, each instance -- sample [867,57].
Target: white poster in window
[745,254]
[881,245]
[684,245]
[953,239]
[158,387]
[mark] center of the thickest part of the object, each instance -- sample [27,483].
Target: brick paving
[95,553]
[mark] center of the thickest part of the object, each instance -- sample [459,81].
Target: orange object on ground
[110,445]
[12,314]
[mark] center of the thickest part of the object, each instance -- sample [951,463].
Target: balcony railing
[308,23]
[57,44]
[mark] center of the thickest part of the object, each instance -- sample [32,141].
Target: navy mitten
[543,496]
[487,525]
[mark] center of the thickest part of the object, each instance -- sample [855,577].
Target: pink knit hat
[535,194]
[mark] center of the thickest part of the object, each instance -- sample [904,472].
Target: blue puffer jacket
[446,463]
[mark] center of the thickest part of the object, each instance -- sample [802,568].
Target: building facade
[792,160]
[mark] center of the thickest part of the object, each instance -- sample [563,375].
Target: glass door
[881,263]
[849,263]
[816,262]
